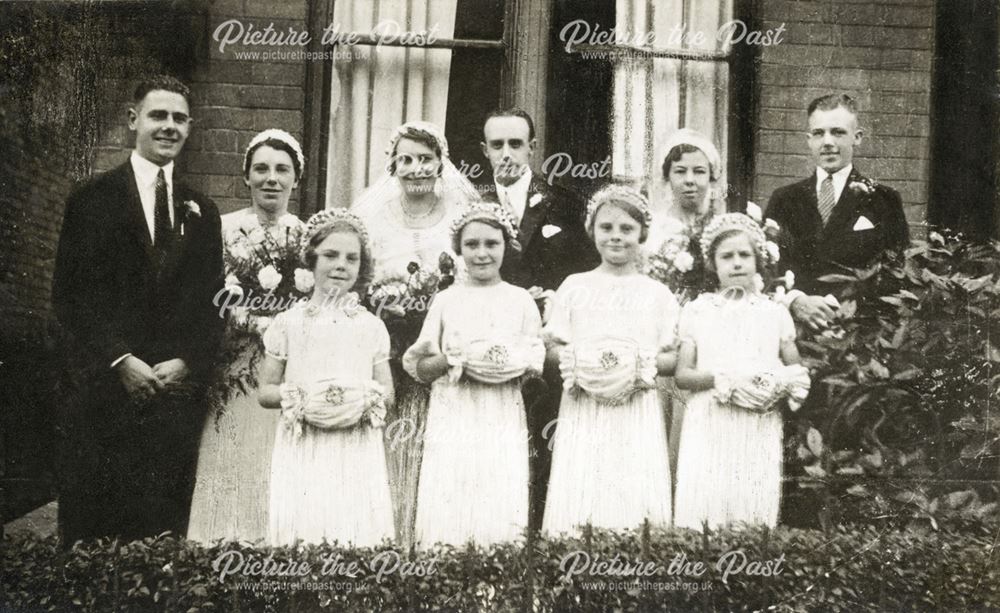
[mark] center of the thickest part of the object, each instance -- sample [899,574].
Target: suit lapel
[844,210]
[134,212]
[810,217]
[533,215]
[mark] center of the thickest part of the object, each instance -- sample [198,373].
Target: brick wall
[878,53]
[32,197]
[234,99]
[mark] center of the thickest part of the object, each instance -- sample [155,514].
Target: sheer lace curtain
[653,97]
[378,88]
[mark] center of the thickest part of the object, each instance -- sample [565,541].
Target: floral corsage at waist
[610,369]
[332,404]
[762,391]
[495,360]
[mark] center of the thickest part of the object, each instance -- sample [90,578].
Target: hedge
[844,569]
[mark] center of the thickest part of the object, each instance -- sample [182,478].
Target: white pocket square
[863,224]
[548,230]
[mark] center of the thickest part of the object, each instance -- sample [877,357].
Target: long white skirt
[728,466]
[610,465]
[329,485]
[474,477]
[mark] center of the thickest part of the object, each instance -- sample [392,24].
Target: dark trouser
[541,399]
[127,471]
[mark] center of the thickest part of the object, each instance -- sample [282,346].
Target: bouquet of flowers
[402,302]
[680,265]
[264,278]
[265,275]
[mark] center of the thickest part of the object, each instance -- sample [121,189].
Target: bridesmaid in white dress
[327,369]
[612,330]
[409,212]
[234,458]
[480,337]
[735,345]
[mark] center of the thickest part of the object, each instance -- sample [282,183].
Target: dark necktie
[827,200]
[162,228]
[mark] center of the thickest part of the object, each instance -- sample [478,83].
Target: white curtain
[655,97]
[378,88]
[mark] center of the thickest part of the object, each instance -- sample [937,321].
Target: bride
[409,212]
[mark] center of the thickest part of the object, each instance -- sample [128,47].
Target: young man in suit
[554,245]
[837,217]
[137,271]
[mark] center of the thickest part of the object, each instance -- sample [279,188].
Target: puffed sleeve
[669,313]
[382,343]
[786,327]
[686,325]
[276,338]
[558,328]
[429,341]
[531,328]
[531,320]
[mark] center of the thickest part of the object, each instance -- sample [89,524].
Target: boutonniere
[864,186]
[534,200]
[190,208]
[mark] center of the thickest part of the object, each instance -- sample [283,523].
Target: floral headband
[735,221]
[328,217]
[278,135]
[426,127]
[483,210]
[618,193]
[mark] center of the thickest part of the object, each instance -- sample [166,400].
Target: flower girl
[734,347]
[326,367]
[479,338]
[612,330]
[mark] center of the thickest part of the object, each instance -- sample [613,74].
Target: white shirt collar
[146,171]
[839,180]
[145,180]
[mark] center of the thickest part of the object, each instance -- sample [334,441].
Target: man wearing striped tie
[837,217]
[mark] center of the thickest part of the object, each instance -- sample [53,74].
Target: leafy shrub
[900,430]
[845,570]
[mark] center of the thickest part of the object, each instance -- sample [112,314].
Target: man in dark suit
[837,217]
[137,271]
[554,245]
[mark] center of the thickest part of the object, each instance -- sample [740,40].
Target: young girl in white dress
[479,338]
[612,330]
[326,367]
[735,345]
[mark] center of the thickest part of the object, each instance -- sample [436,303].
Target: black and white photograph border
[860,141]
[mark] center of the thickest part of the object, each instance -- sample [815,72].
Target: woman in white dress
[612,331]
[231,488]
[691,171]
[480,337]
[409,212]
[326,367]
